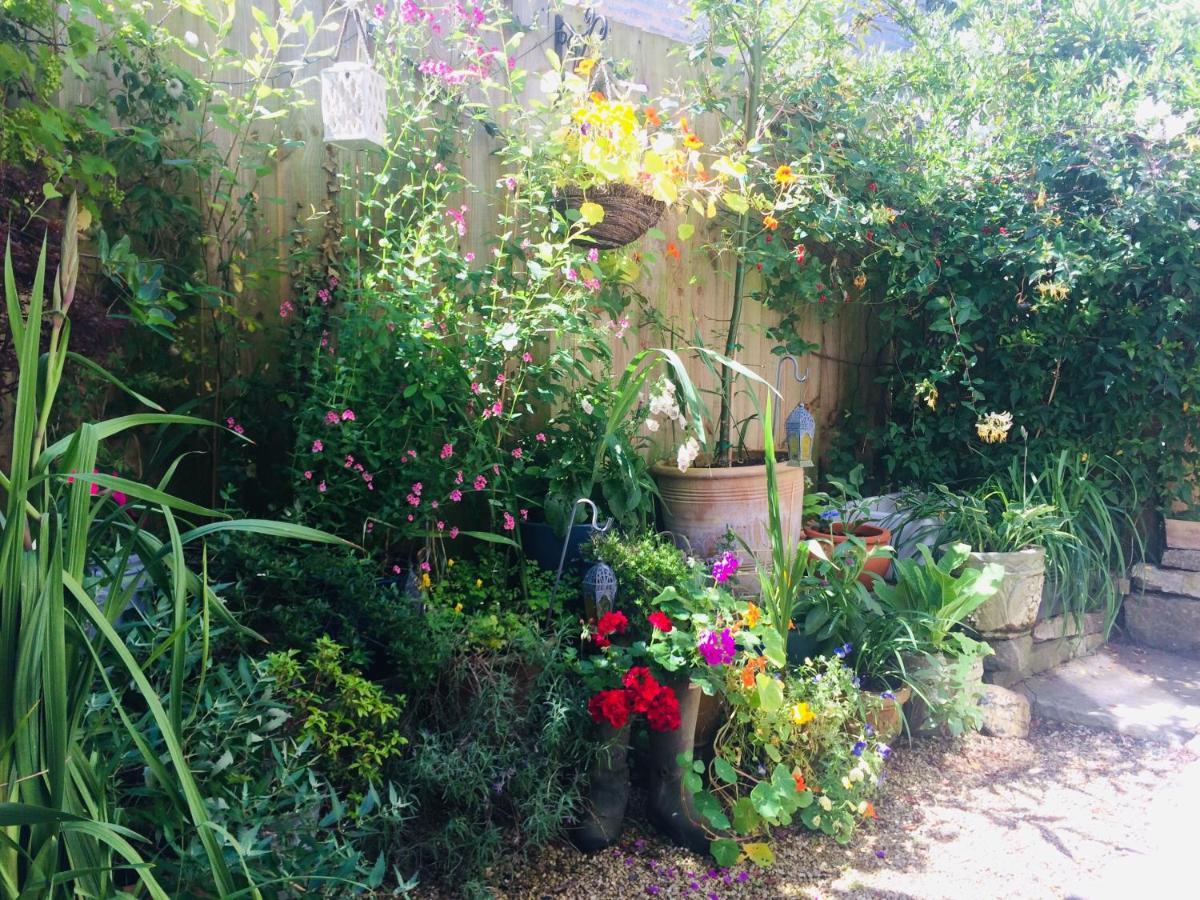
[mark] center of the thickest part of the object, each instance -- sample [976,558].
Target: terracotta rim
[871,535]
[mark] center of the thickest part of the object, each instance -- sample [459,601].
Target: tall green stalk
[58,831]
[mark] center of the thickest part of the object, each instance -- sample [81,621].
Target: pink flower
[308,474]
[497,408]
[512,63]
[540,437]
[458,477]
[317,446]
[517,453]
[456,495]
[524,515]
[395,570]
[417,488]
[572,275]
[592,284]
[332,418]
[321,487]
[527,357]
[425,567]
[480,482]
[476,387]
[500,379]
[348,415]
[286,308]
[434,504]
[509,522]
[441,526]
[469,257]
[447,451]
[379,10]
[410,518]
[349,461]
[412,453]
[454,531]
[459,218]
[593,255]
[495,469]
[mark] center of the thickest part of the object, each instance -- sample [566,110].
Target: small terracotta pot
[871,535]
[885,714]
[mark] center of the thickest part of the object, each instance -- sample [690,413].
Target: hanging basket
[628,213]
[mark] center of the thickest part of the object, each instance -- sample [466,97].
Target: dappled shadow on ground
[980,817]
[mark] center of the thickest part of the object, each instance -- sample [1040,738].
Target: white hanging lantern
[354,95]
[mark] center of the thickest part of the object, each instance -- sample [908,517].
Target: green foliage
[934,597]
[351,722]
[997,517]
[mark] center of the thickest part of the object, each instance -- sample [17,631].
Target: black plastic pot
[544,545]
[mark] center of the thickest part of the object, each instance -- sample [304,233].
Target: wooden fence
[693,292]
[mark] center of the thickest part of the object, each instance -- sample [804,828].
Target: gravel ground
[1067,813]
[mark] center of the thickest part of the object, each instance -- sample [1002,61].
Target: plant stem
[749,128]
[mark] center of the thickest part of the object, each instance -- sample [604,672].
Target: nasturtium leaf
[774,648]
[736,202]
[760,854]
[710,807]
[766,803]
[726,852]
[685,230]
[724,771]
[770,693]
[745,817]
[591,213]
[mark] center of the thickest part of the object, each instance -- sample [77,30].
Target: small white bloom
[652,425]
[587,406]
[174,88]
[688,451]
[191,39]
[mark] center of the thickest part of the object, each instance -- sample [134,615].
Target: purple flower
[843,651]
[859,747]
[884,750]
[717,648]
[881,854]
[888,695]
[869,730]
[830,514]
[743,877]
[652,890]
[857,682]
[725,566]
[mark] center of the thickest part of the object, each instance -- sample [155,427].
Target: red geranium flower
[661,621]
[663,714]
[611,707]
[641,687]
[612,623]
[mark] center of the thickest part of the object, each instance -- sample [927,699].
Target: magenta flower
[717,648]
[480,482]
[348,415]
[456,495]
[725,566]
[447,451]
[458,477]
[476,387]
[454,531]
[441,526]
[379,10]
[593,255]
[332,418]
[540,437]
[321,487]
[518,453]
[308,474]
[500,379]
[286,308]
[524,515]
[527,357]
[317,446]
[509,522]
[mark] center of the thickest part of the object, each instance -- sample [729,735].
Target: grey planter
[1014,608]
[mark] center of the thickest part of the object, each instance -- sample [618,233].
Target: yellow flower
[751,616]
[845,782]
[585,66]
[692,142]
[927,392]
[993,428]
[802,713]
[425,580]
[826,803]
[449,564]
[785,175]
[860,280]
[770,222]
[458,607]
[478,582]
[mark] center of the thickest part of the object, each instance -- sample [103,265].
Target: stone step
[1166,581]
[1147,694]
[1015,659]
[1182,559]
[1183,534]
[1068,626]
[1164,621]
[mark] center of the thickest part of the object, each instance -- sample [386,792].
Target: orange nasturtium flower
[751,616]
[770,222]
[753,667]
[585,66]
[692,142]
[597,97]
[672,250]
[652,116]
[870,813]
[798,777]
[784,175]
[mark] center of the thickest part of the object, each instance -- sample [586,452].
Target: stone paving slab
[1147,694]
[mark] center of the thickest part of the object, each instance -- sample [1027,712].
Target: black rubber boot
[670,804]
[599,823]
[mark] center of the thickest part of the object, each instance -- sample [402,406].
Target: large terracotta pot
[702,504]
[1014,608]
[871,535]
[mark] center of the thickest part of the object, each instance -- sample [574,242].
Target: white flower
[688,451]
[1156,121]
[652,425]
[587,406]
[174,88]
[191,39]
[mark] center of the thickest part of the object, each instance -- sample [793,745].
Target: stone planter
[886,714]
[669,803]
[1014,608]
[599,823]
[932,671]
